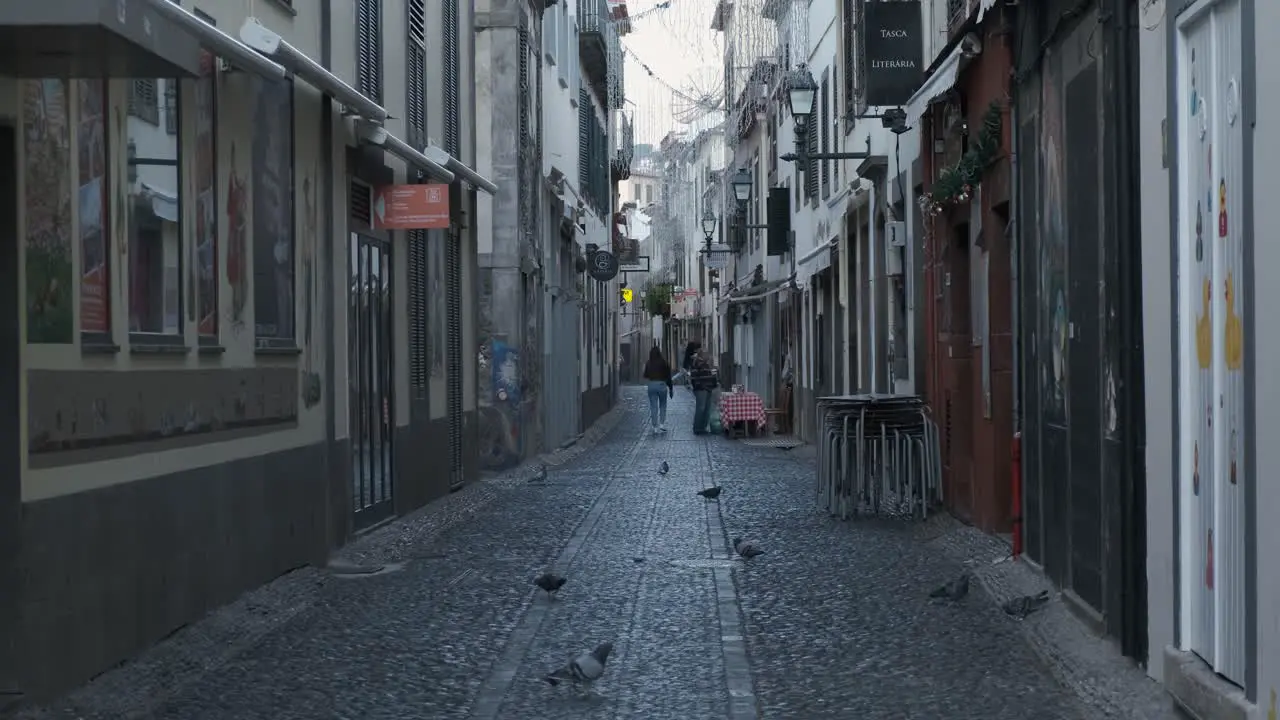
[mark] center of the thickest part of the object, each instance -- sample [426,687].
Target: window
[369,49]
[95,278]
[648,194]
[155,212]
[635,192]
[206,187]
[273,221]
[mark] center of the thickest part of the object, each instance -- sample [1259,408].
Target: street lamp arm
[792,157]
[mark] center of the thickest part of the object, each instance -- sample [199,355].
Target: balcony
[598,44]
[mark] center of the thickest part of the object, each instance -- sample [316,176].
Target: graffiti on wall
[46,142]
[1053,250]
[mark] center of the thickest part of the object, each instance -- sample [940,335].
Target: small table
[742,407]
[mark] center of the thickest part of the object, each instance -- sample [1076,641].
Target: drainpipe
[330,336]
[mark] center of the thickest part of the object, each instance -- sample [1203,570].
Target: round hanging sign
[603,266]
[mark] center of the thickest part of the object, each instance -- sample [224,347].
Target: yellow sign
[626,295]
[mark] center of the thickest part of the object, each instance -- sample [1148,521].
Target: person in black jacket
[658,373]
[703,380]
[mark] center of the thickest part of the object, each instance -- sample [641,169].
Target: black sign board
[892,42]
[778,212]
[602,266]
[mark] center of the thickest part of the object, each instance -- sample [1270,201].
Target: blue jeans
[701,410]
[657,403]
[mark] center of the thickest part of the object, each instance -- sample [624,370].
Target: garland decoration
[956,183]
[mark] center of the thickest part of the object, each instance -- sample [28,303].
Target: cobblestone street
[832,622]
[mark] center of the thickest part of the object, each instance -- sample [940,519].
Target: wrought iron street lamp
[708,226]
[742,187]
[800,93]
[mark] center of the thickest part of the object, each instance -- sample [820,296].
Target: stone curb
[1105,683]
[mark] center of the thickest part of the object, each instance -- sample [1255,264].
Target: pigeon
[746,548]
[954,590]
[584,669]
[550,582]
[664,468]
[711,493]
[1021,607]
[541,475]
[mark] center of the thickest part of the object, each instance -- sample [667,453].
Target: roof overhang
[95,38]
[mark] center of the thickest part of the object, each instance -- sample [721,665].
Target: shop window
[273,216]
[95,261]
[155,212]
[205,278]
[47,192]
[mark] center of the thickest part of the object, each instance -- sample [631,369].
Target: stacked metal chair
[878,455]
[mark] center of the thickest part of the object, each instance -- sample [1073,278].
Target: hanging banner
[892,40]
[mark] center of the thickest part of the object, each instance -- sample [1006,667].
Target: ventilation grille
[361,203]
[369,48]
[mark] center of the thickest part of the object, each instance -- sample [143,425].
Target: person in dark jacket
[658,373]
[690,351]
[703,380]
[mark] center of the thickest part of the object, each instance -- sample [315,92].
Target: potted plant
[657,299]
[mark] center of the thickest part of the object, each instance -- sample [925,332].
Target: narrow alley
[832,622]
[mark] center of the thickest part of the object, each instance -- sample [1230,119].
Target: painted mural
[91,115]
[311,392]
[237,243]
[1053,252]
[46,142]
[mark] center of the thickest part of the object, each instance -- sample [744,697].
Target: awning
[813,262]
[432,165]
[93,38]
[218,42]
[942,80]
[469,176]
[269,43]
[164,204]
[763,290]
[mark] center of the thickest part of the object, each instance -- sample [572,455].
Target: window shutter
[415,71]
[584,140]
[824,127]
[850,50]
[524,85]
[419,317]
[143,103]
[369,48]
[811,169]
[451,60]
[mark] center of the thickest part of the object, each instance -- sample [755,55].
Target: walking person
[658,374]
[703,380]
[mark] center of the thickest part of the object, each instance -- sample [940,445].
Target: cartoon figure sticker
[1195,470]
[1235,329]
[1233,456]
[1208,562]
[1204,328]
[1199,233]
[1222,208]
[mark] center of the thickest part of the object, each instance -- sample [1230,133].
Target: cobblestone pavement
[833,622]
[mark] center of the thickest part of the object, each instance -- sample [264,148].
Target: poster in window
[91,148]
[46,143]
[273,240]
[205,281]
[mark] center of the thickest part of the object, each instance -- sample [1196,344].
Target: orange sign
[411,207]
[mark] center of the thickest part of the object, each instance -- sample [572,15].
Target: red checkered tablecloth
[742,407]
